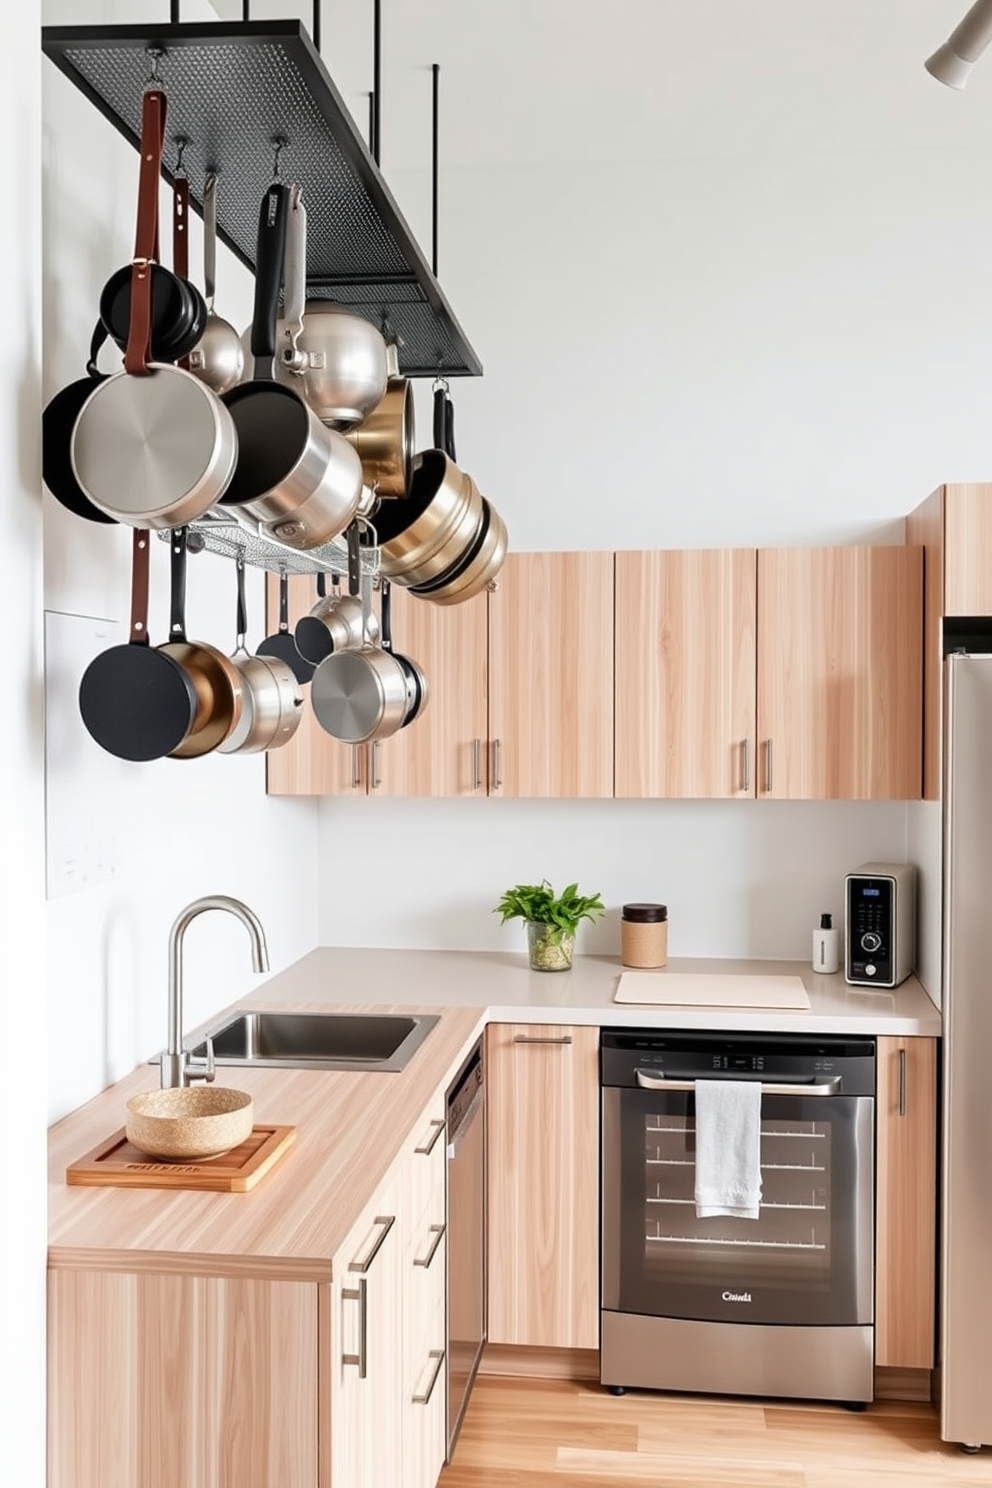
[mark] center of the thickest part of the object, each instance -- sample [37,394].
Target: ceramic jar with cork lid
[644,935]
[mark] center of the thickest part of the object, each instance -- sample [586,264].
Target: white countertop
[504,987]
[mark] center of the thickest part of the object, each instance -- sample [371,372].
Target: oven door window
[805,1259]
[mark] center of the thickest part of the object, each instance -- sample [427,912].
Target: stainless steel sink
[326,1041]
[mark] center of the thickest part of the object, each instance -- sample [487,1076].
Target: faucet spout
[177,1067]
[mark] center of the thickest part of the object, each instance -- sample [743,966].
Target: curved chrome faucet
[178,1067]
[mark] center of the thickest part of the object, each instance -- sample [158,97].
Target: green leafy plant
[540,904]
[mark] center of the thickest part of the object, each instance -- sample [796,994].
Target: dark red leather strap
[138,353]
[140,543]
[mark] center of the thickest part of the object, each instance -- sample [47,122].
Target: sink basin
[327,1041]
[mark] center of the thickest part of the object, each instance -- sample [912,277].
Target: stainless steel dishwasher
[466,1232]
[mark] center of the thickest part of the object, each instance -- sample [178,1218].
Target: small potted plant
[551,920]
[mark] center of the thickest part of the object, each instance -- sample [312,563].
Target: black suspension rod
[436,70]
[377,81]
[315,31]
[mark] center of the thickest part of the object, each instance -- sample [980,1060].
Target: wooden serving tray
[116,1162]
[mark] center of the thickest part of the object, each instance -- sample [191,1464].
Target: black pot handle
[449,427]
[270,252]
[386,619]
[242,607]
[440,416]
[177,601]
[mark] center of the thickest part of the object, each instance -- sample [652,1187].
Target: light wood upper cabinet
[906,1186]
[685,673]
[840,673]
[543,1165]
[443,751]
[551,676]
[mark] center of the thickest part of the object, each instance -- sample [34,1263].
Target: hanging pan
[152,446]
[57,423]
[136,700]
[300,479]
[217,359]
[281,644]
[215,678]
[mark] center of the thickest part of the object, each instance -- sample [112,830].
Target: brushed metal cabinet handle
[431,1142]
[438,1356]
[376,777]
[768,766]
[476,764]
[359,1294]
[529,1038]
[902,1082]
[356,776]
[437,1230]
[745,765]
[497,777]
[387,1221]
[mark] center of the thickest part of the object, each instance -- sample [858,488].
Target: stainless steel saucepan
[272,703]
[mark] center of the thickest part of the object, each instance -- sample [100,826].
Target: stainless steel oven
[778,1305]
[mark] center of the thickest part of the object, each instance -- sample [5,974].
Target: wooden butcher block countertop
[350,1127]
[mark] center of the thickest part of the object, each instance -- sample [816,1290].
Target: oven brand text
[736,1296]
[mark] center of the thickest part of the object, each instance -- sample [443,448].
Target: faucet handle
[202,1069]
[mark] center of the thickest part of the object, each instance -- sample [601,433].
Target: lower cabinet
[543,1163]
[906,1206]
[181,1381]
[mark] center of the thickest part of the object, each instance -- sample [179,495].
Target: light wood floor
[526,1433]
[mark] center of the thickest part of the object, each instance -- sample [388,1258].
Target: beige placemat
[711,989]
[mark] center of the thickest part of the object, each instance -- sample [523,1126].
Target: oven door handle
[820,1087]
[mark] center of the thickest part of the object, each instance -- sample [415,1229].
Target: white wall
[22,1090]
[728,270]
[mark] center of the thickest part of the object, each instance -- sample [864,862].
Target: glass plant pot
[550,949]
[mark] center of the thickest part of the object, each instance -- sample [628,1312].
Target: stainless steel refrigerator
[966,1225]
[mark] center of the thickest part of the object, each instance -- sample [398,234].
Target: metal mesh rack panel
[233,91]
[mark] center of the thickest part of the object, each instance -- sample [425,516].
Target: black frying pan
[135,701]
[57,423]
[281,644]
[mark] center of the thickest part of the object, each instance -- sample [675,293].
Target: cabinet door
[685,648]
[179,1381]
[906,1118]
[443,751]
[366,1356]
[543,1165]
[311,763]
[840,673]
[551,676]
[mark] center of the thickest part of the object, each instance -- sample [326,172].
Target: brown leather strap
[138,353]
[140,546]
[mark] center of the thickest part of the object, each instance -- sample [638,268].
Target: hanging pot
[152,446]
[417,689]
[337,622]
[421,537]
[216,680]
[57,423]
[336,359]
[217,358]
[178,309]
[386,439]
[300,479]
[476,569]
[272,703]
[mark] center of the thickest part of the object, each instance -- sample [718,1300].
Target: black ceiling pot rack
[233,89]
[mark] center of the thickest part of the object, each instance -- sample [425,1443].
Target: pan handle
[210,238]
[269,257]
[440,415]
[292,358]
[177,601]
[284,603]
[139,587]
[242,622]
[386,620]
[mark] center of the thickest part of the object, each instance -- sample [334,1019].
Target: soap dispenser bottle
[826,948]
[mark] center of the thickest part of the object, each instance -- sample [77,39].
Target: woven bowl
[197,1121]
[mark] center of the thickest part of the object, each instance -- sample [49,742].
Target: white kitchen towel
[728,1148]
